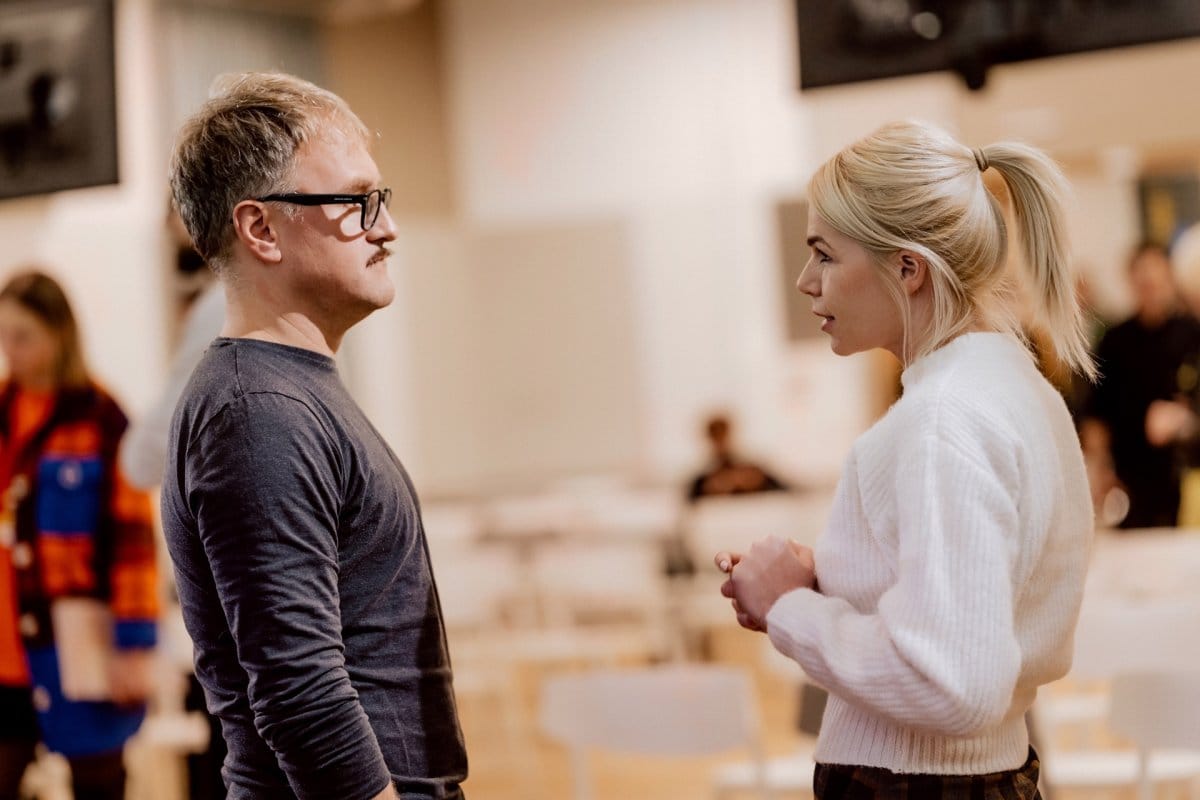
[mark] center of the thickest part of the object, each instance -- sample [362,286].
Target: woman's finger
[726,560]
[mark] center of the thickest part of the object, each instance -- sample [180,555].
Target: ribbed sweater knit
[951,569]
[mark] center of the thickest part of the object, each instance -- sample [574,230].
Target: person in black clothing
[300,557]
[1176,422]
[727,473]
[1142,361]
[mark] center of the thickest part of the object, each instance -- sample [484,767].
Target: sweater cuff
[789,612]
[135,634]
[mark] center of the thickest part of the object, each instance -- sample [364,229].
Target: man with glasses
[300,559]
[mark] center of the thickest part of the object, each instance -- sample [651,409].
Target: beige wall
[391,70]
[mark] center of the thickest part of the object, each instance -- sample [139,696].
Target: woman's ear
[913,269]
[252,224]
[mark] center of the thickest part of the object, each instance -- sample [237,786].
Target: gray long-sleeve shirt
[305,582]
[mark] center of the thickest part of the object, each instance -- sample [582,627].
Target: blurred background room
[597,368]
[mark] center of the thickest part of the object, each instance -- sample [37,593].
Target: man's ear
[252,225]
[913,269]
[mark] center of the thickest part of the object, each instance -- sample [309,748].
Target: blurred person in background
[300,558]
[1147,358]
[727,473]
[1175,422]
[143,457]
[78,581]
[947,585]
[202,301]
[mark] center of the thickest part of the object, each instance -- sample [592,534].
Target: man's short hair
[242,143]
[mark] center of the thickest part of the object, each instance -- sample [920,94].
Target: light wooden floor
[511,760]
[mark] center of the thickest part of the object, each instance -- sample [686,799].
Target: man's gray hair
[242,143]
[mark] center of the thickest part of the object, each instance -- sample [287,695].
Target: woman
[78,592]
[952,566]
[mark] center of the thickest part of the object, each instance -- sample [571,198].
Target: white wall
[107,244]
[202,41]
[681,118]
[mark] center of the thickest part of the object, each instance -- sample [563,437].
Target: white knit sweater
[951,569]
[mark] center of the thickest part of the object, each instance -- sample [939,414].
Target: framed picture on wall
[58,122]
[1168,203]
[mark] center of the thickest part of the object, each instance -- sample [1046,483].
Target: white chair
[1117,637]
[602,587]
[792,773]
[530,518]
[479,588]
[577,581]
[1146,565]
[734,523]
[649,515]
[481,591]
[1157,711]
[451,527]
[659,711]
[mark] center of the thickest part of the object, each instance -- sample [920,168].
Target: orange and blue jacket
[70,526]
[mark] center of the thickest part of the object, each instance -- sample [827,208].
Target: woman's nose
[808,283]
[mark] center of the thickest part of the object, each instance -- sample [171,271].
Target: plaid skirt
[845,782]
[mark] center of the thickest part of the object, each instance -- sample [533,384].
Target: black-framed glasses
[370,202]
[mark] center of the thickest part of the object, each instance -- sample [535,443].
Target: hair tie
[980,159]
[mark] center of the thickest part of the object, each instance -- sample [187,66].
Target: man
[300,559]
[726,473]
[1142,361]
[143,457]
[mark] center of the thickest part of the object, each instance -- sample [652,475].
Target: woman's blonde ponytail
[1037,190]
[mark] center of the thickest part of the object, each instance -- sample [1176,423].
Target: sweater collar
[974,342]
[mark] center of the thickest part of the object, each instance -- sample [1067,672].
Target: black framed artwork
[58,111]
[845,41]
[1168,204]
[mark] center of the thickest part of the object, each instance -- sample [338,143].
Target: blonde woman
[952,567]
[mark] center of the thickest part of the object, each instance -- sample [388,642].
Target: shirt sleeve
[264,486]
[939,653]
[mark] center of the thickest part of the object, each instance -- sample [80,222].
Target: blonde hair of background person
[951,568]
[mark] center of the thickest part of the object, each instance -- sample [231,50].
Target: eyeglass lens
[375,201]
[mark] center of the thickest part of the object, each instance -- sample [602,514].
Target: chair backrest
[734,523]
[531,516]
[1146,565]
[1116,636]
[451,528]
[1158,709]
[669,711]
[650,515]
[606,575]
[477,586]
